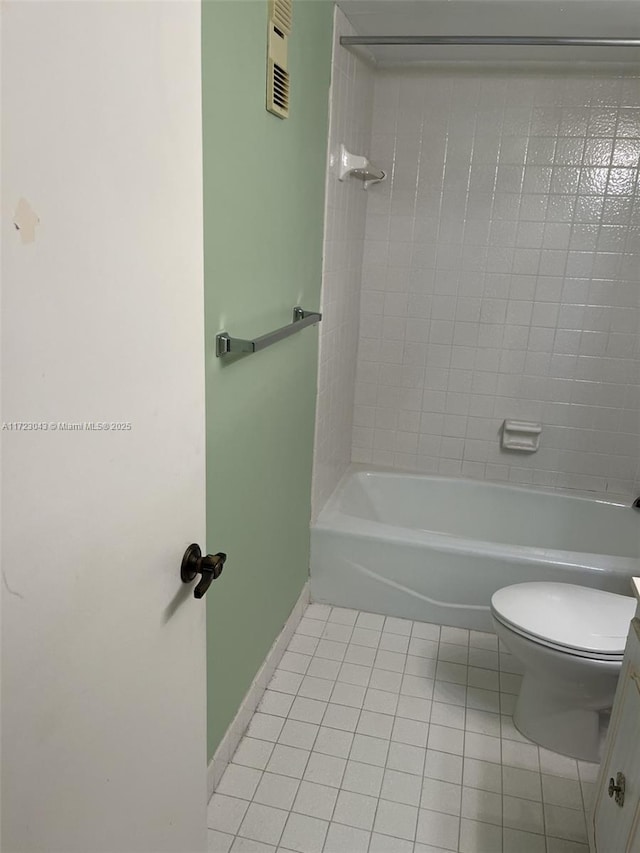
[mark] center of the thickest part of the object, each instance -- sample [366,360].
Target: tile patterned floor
[389,736]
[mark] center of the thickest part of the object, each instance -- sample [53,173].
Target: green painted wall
[263,219]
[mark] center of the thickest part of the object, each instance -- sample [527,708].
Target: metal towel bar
[226,345]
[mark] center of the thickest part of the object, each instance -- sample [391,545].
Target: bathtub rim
[363,468]
[332,518]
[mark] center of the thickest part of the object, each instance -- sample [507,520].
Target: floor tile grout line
[407,654]
[400,695]
[375,814]
[464,760]
[419,807]
[424,767]
[504,712]
[385,766]
[301,778]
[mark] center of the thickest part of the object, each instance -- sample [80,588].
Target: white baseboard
[238,726]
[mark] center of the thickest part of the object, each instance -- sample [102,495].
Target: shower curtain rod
[554,41]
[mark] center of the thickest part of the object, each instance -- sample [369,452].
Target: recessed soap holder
[521,435]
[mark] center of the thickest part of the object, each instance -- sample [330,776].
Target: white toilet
[570,641]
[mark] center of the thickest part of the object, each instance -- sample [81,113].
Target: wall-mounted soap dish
[521,435]
[356,166]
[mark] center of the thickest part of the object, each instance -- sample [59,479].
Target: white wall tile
[500,276]
[351,101]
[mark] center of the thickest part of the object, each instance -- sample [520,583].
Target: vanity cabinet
[616,817]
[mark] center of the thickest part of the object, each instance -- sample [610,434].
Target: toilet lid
[568,616]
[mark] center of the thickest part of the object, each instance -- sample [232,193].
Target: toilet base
[553,721]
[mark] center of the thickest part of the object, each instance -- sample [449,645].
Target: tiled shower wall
[501,276]
[351,106]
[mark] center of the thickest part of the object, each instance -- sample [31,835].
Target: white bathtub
[435,549]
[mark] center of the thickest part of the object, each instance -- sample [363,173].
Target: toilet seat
[565,650]
[575,620]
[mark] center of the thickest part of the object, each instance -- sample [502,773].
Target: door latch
[210,567]
[616,789]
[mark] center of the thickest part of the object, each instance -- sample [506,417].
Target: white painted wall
[103,653]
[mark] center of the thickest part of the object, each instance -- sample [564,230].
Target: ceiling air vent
[277,52]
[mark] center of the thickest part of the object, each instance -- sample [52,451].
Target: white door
[616,823]
[103,647]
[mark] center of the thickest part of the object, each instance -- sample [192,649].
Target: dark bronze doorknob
[616,788]
[210,567]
